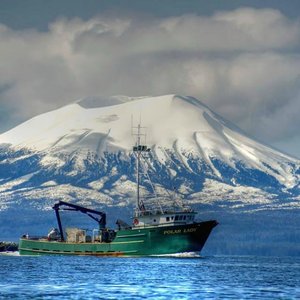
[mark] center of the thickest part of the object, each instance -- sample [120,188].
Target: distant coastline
[8,246]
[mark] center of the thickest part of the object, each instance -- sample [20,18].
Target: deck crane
[61,205]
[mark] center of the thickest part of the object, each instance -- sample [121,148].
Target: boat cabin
[163,219]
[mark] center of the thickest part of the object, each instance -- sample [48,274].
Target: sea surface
[192,277]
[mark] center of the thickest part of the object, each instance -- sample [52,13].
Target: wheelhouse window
[167,219]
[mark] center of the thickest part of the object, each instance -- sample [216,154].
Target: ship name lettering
[172,231]
[189,230]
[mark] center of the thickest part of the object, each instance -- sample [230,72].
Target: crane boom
[101,220]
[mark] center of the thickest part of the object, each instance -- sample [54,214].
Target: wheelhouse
[167,218]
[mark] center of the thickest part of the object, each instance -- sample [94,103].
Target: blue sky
[239,57]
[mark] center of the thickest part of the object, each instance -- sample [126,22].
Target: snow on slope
[182,124]
[82,153]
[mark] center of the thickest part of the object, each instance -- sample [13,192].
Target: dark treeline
[8,246]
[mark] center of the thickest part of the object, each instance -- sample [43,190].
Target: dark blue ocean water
[226,277]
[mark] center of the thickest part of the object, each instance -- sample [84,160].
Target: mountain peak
[165,117]
[181,124]
[81,153]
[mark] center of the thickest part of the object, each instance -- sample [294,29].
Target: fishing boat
[157,228]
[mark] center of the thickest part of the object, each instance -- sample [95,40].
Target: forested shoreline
[8,246]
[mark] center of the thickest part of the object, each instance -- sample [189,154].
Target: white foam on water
[10,253]
[181,254]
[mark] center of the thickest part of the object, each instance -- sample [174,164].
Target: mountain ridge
[82,153]
[88,148]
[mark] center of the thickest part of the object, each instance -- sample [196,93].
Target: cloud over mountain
[244,63]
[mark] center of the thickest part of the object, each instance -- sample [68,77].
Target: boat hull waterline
[158,240]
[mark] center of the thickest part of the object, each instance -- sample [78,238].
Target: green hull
[157,240]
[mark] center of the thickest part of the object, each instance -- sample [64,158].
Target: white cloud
[262,29]
[243,63]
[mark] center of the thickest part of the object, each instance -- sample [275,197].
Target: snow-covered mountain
[82,152]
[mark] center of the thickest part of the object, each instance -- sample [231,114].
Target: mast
[138,149]
[138,166]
